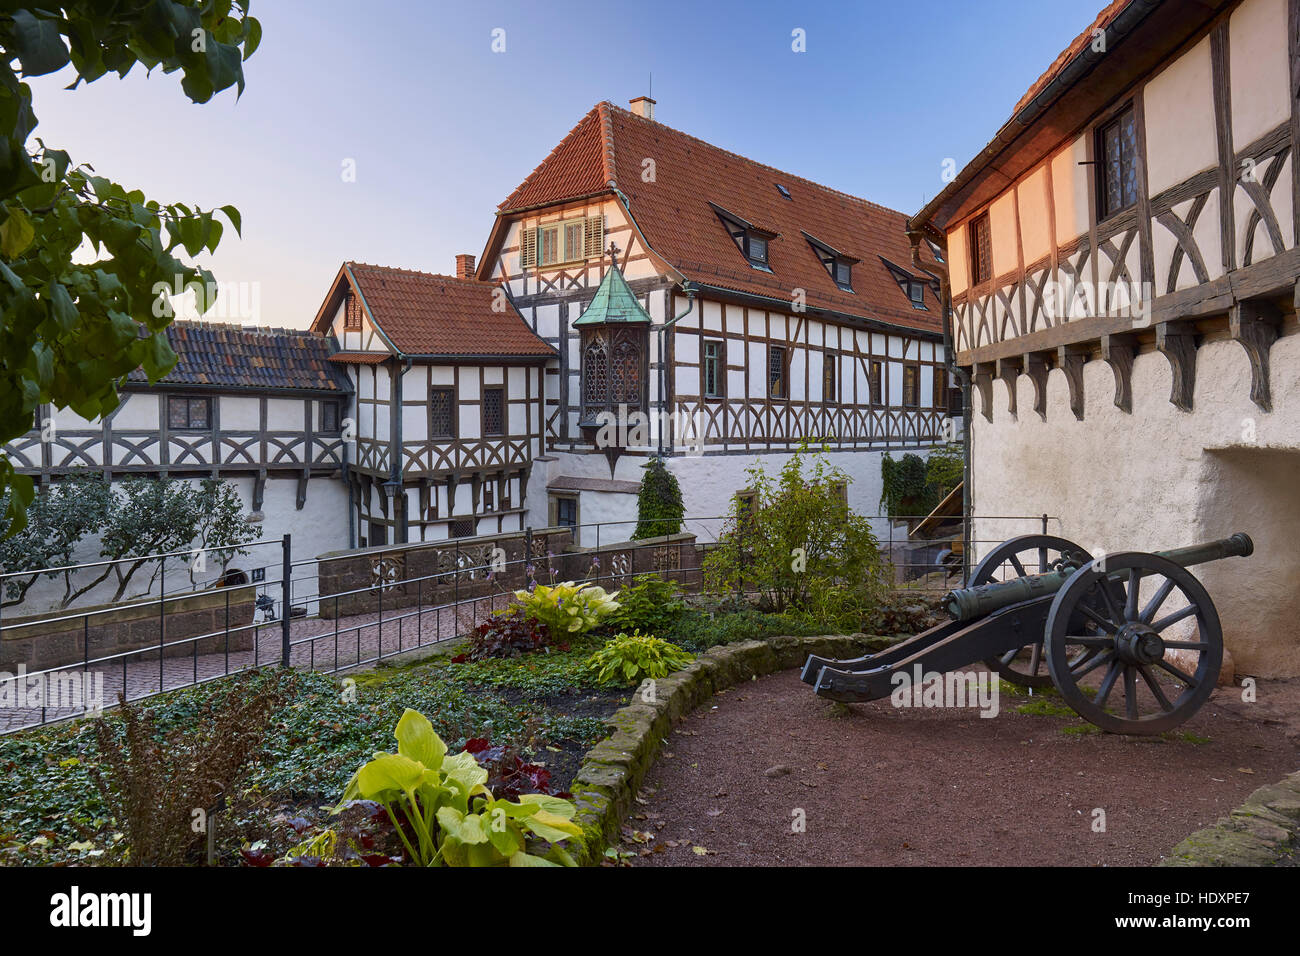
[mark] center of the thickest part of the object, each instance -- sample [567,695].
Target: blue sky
[441,128]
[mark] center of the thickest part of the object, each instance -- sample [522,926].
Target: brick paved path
[316,644]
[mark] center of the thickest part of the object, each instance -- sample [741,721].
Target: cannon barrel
[967,604]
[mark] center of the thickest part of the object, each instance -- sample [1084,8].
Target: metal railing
[291,623]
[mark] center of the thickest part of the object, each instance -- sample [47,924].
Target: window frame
[338,419]
[719,371]
[483,416]
[976,259]
[452,417]
[784,378]
[1101,164]
[565,498]
[913,371]
[939,387]
[831,377]
[566,254]
[876,383]
[188,399]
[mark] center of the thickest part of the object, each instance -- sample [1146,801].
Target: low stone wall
[1263,831]
[56,640]
[612,772]
[391,576]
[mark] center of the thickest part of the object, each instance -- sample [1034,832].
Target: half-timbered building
[719,310]
[448,381]
[1122,265]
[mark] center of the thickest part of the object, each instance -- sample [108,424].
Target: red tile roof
[426,314]
[360,358]
[675,215]
[1103,20]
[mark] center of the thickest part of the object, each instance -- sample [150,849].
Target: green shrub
[650,604]
[659,508]
[795,539]
[443,811]
[630,658]
[913,486]
[568,608]
[698,631]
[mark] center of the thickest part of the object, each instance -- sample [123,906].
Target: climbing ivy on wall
[659,508]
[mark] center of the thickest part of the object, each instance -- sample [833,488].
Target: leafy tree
[60,517]
[796,542]
[659,508]
[913,486]
[71,330]
[221,523]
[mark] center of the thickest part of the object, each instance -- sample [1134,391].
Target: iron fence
[190,636]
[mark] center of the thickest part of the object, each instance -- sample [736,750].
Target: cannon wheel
[1129,647]
[1022,556]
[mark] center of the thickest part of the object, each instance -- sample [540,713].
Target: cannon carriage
[1131,640]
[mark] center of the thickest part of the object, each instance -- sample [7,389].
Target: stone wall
[69,637]
[442,572]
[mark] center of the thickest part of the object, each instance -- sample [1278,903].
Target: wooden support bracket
[1071,359]
[1035,366]
[1118,351]
[1254,324]
[983,382]
[1008,369]
[1176,341]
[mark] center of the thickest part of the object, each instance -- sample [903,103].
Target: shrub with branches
[794,539]
[155,782]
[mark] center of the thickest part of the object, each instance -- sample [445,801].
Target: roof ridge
[235,327]
[419,272]
[786,173]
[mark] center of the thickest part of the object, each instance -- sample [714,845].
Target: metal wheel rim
[1005,666]
[1068,666]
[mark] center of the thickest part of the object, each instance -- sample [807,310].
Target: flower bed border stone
[613,770]
[1263,831]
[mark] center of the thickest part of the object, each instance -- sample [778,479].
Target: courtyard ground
[875,785]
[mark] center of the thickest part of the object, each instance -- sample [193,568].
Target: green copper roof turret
[614,303]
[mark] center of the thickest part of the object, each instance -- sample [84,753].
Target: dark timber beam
[1176,341]
[1035,366]
[1008,370]
[983,381]
[1071,360]
[1117,351]
[1255,324]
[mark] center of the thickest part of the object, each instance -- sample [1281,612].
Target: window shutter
[595,237]
[528,248]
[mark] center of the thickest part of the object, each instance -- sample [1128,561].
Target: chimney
[643,106]
[464,266]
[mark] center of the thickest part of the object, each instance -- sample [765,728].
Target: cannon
[1104,628]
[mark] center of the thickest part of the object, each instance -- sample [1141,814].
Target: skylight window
[785,193]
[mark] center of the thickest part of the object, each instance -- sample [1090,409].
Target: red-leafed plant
[509,634]
[509,774]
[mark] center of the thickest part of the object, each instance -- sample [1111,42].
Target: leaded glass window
[1117,164]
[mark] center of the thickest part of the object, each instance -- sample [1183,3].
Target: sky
[438,127]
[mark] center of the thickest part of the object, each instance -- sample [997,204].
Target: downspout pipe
[663,359]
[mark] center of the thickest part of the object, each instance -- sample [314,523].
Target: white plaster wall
[1156,479]
[1257,59]
[1179,104]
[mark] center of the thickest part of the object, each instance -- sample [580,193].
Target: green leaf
[235,218]
[466,828]
[38,44]
[16,233]
[64,309]
[388,774]
[528,859]
[417,741]
[551,827]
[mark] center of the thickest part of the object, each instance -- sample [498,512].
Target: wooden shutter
[594,242]
[528,248]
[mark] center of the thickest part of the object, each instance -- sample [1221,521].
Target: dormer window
[916,292]
[749,239]
[558,243]
[837,264]
[912,287]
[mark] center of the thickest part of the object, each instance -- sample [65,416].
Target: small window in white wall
[713,369]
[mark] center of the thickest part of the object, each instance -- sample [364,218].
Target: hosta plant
[568,608]
[630,658]
[444,813]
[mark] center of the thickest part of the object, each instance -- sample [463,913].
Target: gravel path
[880,786]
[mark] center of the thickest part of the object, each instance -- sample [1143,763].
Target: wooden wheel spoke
[1020,568]
[1116,618]
[1188,645]
[1035,658]
[1131,597]
[1174,618]
[1187,679]
[1156,690]
[1107,683]
[1086,640]
[1130,693]
[1096,618]
[1093,662]
[1157,599]
[1009,656]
